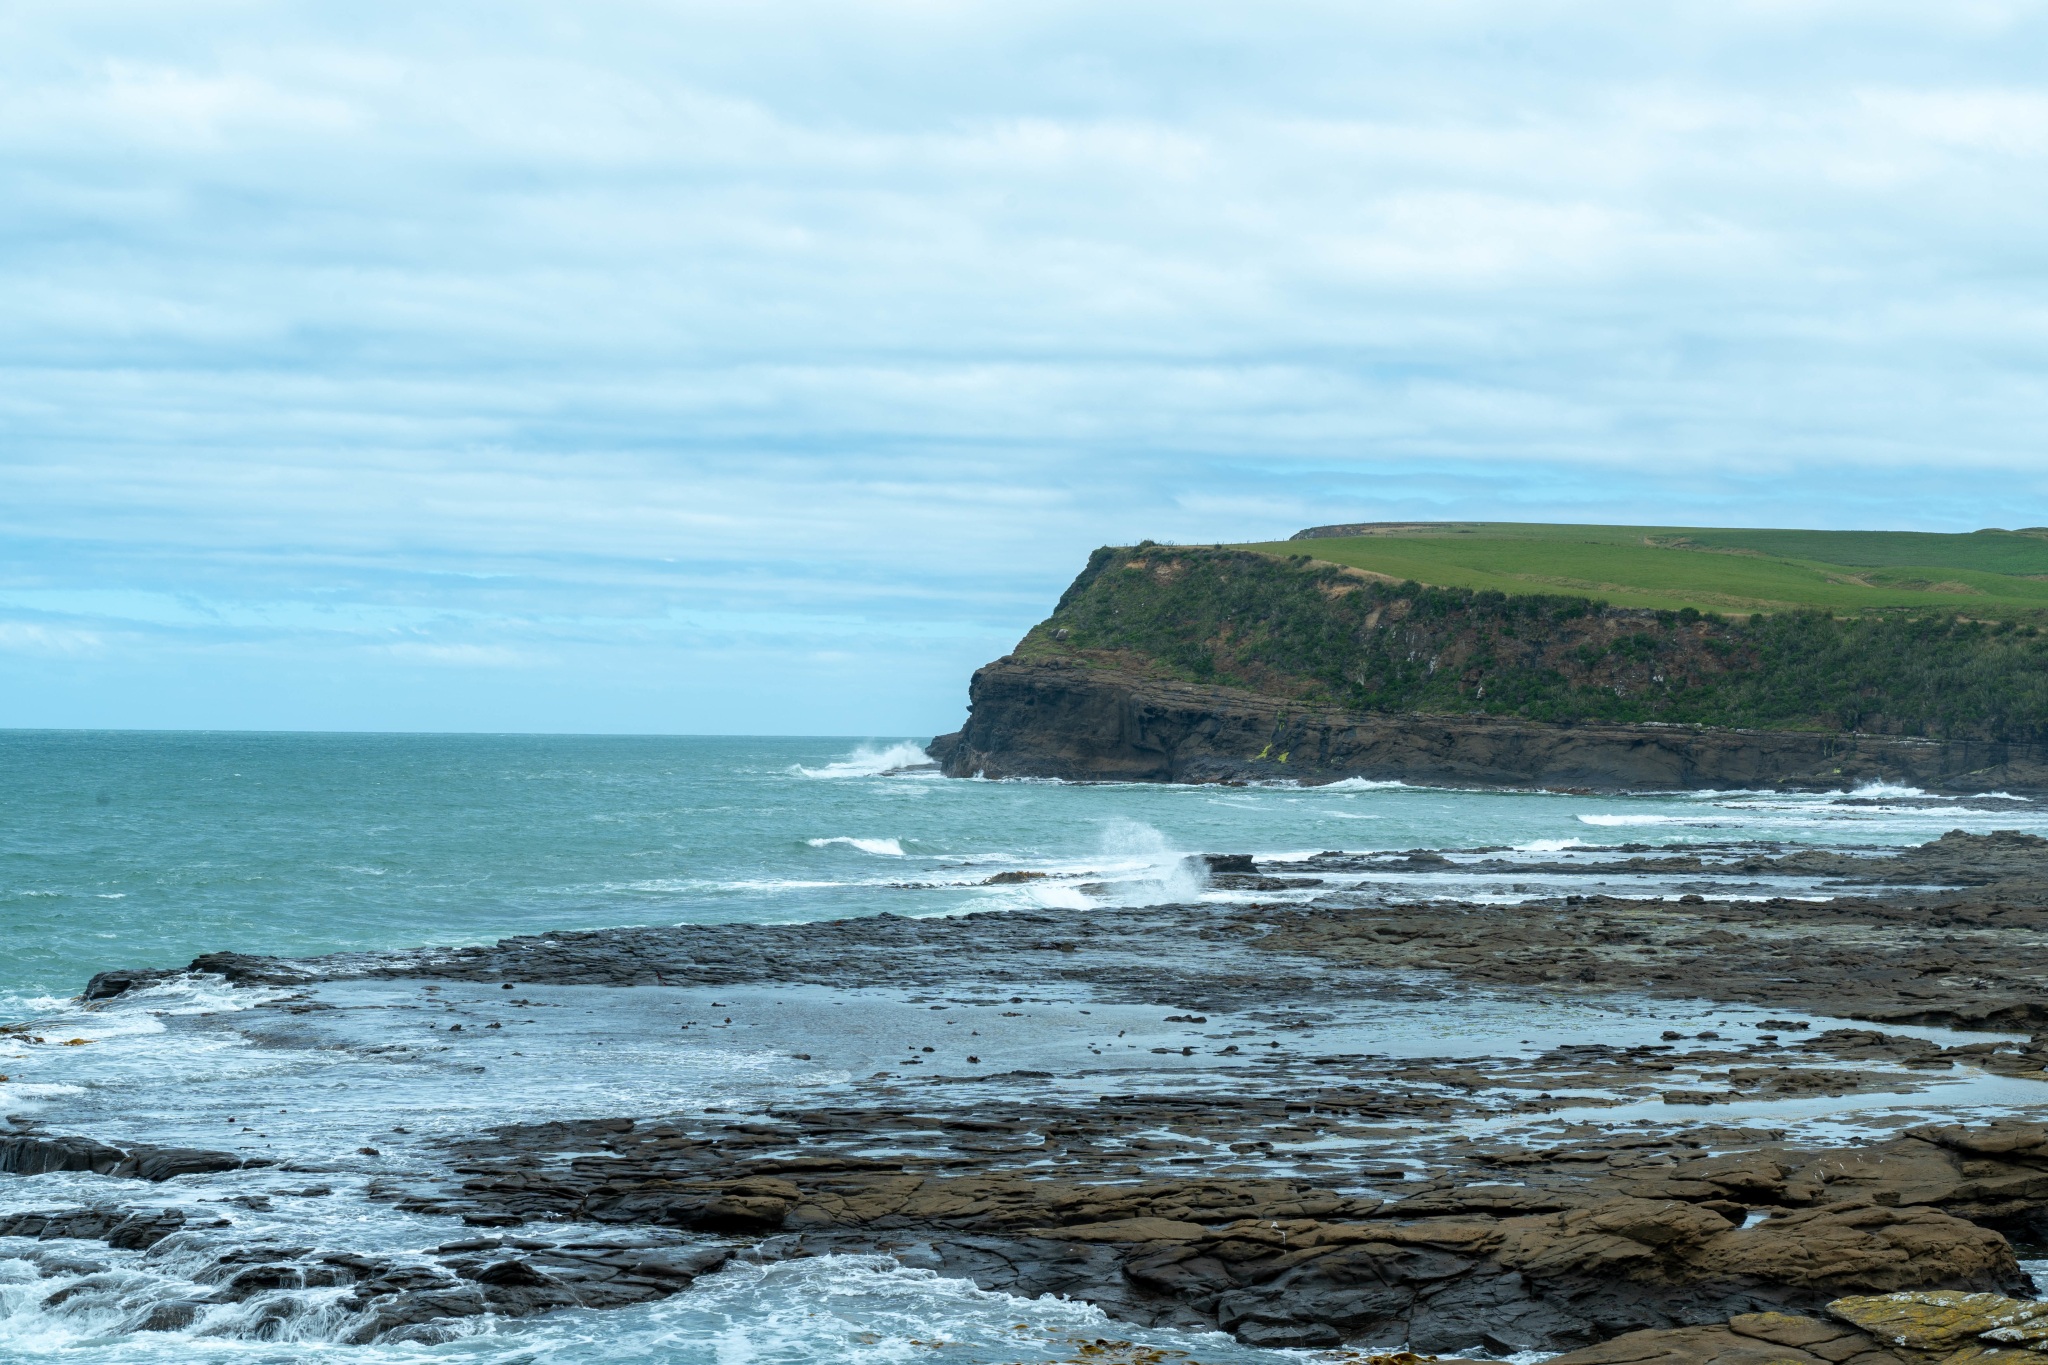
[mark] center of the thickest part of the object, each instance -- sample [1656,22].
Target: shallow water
[144,849]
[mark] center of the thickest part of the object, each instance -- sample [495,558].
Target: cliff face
[1065,719]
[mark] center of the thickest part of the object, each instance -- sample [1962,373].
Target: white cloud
[887,312]
[25,637]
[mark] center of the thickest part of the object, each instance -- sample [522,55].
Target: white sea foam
[1609,820]
[889,848]
[1872,790]
[1551,845]
[1154,871]
[1356,784]
[868,761]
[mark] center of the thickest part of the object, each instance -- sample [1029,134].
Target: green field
[1989,574]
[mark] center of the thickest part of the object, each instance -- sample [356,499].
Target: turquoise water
[130,849]
[145,849]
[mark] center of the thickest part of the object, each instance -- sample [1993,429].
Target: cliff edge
[1193,664]
[1063,719]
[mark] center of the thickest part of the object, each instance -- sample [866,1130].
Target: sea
[146,849]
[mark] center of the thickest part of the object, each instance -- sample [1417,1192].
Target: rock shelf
[1299,1122]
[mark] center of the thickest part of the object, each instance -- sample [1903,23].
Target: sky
[642,367]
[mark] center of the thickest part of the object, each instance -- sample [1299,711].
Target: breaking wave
[868,761]
[888,848]
[1872,790]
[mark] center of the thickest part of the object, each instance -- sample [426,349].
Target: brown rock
[1861,1246]
[1686,1346]
[1127,1230]
[1641,1238]
[1831,1341]
[1864,1247]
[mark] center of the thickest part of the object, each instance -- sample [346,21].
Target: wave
[1356,784]
[868,761]
[1552,845]
[1871,790]
[1607,820]
[889,848]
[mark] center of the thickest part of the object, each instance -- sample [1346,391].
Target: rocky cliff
[1083,721]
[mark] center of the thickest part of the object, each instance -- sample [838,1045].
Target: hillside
[1455,621]
[1999,574]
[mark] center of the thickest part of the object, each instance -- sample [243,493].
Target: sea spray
[868,761]
[1156,872]
[888,848]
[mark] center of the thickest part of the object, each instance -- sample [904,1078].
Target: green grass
[1984,574]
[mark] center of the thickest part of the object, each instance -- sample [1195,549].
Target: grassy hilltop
[2000,573]
[1886,632]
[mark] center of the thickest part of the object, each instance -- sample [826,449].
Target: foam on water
[892,848]
[868,761]
[1874,790]
[841,1310]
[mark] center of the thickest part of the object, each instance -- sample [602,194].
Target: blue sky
[706,368]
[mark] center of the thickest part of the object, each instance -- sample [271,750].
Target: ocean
[147,849]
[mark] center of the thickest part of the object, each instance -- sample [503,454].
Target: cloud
[461,656]
[24,637]
[541,331]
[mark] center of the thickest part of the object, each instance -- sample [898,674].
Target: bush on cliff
[1298,627]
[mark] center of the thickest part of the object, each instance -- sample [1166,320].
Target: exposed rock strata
[36,1154]
[1632,1247]
[1059,718]
[1940,1327]
[1139,1202]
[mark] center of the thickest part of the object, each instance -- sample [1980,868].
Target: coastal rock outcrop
[1611,1248]
[1937,1327]
[1066,719]
[38,1154]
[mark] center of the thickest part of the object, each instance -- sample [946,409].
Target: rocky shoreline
[1219,1136]
[1106,719]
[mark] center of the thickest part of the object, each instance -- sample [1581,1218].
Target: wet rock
[165,1163]
[242,969]
[41,1154]
[125,1228]
[107,985]
[173,1315]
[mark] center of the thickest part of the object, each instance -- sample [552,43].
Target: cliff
[1082,721]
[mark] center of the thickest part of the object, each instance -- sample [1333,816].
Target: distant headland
[1526,654]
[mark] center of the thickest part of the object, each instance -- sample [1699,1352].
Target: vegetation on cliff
[1295,626]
